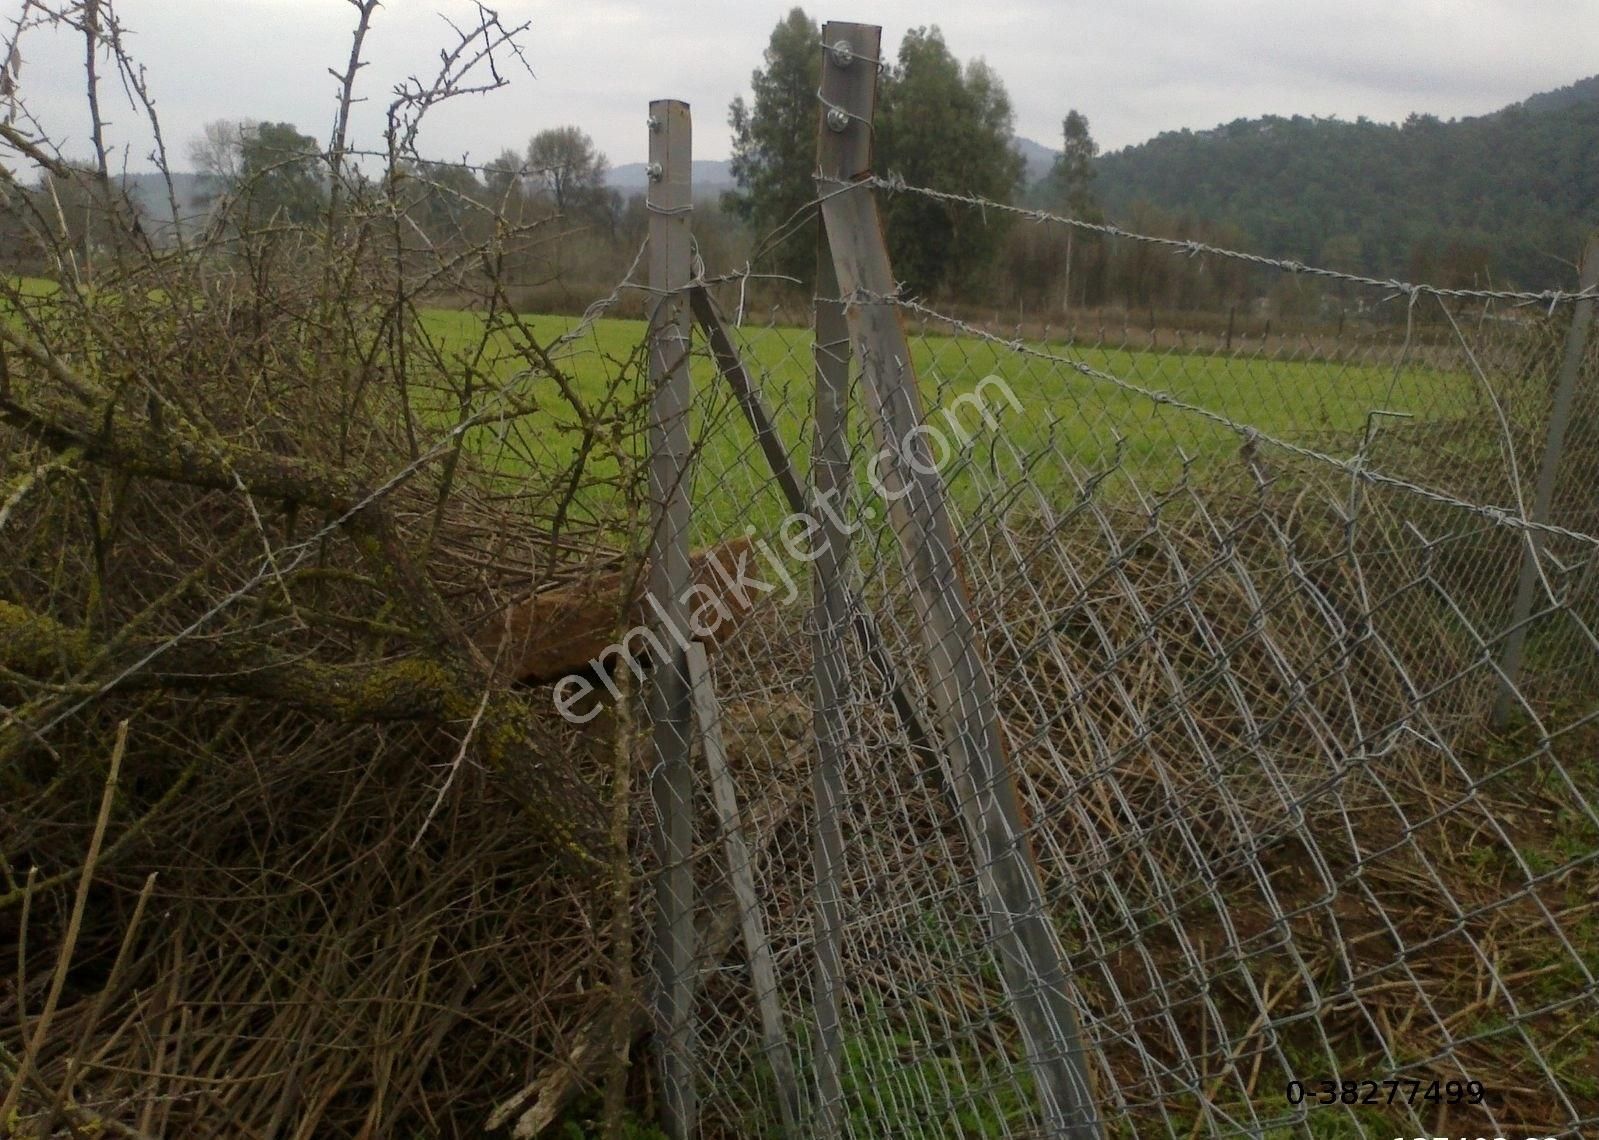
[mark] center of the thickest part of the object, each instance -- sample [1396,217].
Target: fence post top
[671,156]
[848,97]
[844,27]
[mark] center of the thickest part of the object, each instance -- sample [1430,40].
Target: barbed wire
[1356,469]
[895,184]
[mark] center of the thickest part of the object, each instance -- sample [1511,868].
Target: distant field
[34,286]
[1087,420]
[1319,404]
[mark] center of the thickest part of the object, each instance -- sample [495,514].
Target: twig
[69,942]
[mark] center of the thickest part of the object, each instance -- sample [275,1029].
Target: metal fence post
[976,764]
[839,158]
[741,877]
[832,353]
[1548,472]
[669,200]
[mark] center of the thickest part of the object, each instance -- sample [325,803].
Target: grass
[895,1081]
[34,287]
[1090,422]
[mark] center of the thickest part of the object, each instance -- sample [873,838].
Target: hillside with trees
[1504,199]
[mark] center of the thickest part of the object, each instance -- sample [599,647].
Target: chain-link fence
[1246,602]
[1134,723]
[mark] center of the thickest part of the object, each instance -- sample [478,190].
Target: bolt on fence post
[1548,472]
[669,200]
[975,760]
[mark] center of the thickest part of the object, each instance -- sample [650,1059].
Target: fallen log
[553,634]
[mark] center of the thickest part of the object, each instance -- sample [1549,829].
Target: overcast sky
[1135,67]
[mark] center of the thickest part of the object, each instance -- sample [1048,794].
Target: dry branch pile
[278,856]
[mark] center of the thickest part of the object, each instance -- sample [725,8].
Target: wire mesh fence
[1246,610]
[1287,683]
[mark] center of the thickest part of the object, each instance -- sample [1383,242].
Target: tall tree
[505,179]
[774,141]
[273,169]
[939,124]
[946,127]
[283,170]
[1073,176]
[449,202]
[1074,167]
[502,177]
[564,161]
[216,153]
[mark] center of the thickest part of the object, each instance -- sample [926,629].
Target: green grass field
[1086,420]
[1051,401]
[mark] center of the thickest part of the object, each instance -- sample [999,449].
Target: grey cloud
[1134,68]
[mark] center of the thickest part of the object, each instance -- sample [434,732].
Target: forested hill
[1501,197]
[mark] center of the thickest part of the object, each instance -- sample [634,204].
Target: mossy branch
[109,437]
[412,688]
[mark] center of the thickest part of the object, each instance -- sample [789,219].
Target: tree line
[278,171]
[948,125]
[941,122]
[1502,200]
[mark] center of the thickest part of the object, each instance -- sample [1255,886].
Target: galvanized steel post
[1548,473]
[839,156]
